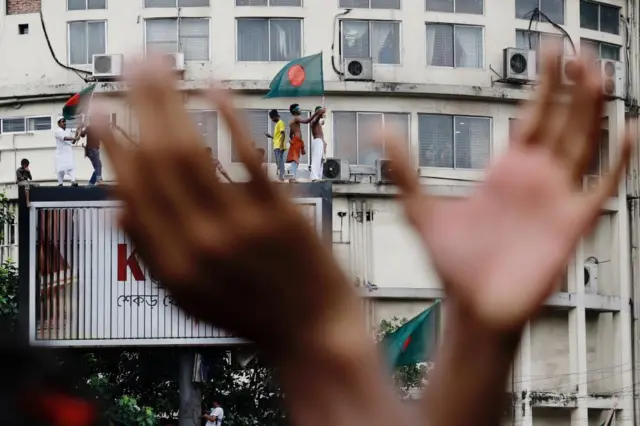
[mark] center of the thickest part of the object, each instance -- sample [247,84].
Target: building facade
[438,74]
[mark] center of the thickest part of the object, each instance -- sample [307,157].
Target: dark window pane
[588,15]
[469,6]
[554,9]
[610,51]
[609,19]
[440,6]
[525,7]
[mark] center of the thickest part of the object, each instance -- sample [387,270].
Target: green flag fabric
[300,77]
[609,419]
[77,102]
[416,341]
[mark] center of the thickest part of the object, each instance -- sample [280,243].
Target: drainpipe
[633,223]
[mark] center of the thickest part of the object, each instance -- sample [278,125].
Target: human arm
[268,135]
[315,115]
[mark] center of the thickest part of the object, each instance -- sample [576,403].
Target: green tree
[409,377]
[8,269]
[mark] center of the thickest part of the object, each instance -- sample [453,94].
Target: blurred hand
[212,245]
[501,251]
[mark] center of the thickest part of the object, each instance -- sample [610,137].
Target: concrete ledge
[497,93]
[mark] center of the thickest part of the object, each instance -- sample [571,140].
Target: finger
[240,138]
[404,175]
[581,131]
[539,111]
[592,205]
[115,151]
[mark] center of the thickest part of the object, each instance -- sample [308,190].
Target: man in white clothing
[65,163]
[215,417]
[318,144]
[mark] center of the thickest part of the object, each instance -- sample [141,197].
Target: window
[269,40]
[206,123]
[370,4]
[259,123]
[25,124]
[458,142]
[176,3]
[187,35]
[293,3]
[35,124]
[86,38]
[475,7]
[600,17]
[86,4]
[601,50]
[355,134]
[535,40]
[378,40]
[600,162]
[458,46]
[553,9]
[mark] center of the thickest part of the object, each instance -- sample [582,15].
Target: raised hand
[501,251]
[219,248]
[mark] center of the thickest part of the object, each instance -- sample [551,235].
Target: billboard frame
[316,193]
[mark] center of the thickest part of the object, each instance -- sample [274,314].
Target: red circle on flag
[296,75]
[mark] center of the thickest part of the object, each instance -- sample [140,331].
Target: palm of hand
[500,252]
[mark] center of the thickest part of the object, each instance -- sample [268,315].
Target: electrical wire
[535,16]
[77,71]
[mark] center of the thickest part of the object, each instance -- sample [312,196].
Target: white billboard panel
[89,288]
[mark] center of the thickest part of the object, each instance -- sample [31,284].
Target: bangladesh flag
[300,77]
[416,341]
[74,106]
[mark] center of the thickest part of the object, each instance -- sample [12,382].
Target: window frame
[209,110]
[144,6]
[268,19]
[370,21]
[600,5]
[86,30]
[86,6]
[268,4]
[564,13]
[453,141]
[31,117]
[600,43]
[369,7]
[26,127]
[455,3]
[177,20]
[366,168]
[482,67]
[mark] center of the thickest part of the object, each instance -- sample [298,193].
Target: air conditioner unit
[107,66]
[612,78]
[357,69]
[175,61]
[383,171]
[519,65]
[567,63]
[591,277]
[336,169]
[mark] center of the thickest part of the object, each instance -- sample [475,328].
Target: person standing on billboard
[279,141]
[65,163]
[318,145]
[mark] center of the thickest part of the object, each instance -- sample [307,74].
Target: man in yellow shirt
[279,142]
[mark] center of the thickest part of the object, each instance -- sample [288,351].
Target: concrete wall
[125,34]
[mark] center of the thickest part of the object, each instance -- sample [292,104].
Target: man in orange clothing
[296,149]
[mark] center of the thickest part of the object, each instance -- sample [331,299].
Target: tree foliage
[409,377]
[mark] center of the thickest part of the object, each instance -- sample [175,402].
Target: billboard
[88,287]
